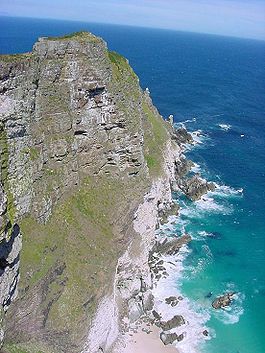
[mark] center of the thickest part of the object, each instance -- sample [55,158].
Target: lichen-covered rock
[64,118]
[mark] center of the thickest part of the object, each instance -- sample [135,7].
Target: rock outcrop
[176,321]
[223,301]
[169,338]
[194,188]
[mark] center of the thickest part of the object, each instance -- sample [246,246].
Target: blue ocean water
[216,85]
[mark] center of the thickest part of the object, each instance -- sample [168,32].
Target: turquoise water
[207,80]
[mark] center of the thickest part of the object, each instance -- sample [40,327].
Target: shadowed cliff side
[80,145]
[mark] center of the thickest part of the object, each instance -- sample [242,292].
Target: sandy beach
[143,342]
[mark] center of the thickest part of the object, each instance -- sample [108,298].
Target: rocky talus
[87,170]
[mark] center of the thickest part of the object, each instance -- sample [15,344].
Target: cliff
[87,165]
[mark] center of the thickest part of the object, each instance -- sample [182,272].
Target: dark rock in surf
[176,321]
[223,301]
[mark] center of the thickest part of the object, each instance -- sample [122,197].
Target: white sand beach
[143,342]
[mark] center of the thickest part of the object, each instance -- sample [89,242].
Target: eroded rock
[169,338]
[176,321]
[195,187]
[173,301]
[171,247]
[223,301]
[182,136]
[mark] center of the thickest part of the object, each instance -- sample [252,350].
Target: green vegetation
[25,348]
[80,235]
[32,152]
[14,57]
[81,36]
[121,69]
[155,136]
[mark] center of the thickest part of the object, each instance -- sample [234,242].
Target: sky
[240,18]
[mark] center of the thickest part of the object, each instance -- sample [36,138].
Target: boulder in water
[176,321]
[223,300]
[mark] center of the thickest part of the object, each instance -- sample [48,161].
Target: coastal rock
[169,338]
[135,310]
[164,213]
[176,321]
[195,187]
[183,166]
[10,246]
[182,136]
[205,333]
[156,315]
[223,301]
[173,301]
[172,246]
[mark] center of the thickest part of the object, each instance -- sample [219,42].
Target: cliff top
[81,37]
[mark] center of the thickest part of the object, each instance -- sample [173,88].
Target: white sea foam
[224,127]
[196,168]
[224,191]
[195,317]
[202,263]
[204,234]
[199,137]
[193,120]
[206,204]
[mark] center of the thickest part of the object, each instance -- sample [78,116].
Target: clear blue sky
[241,18]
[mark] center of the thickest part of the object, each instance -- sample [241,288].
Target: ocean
[216,85]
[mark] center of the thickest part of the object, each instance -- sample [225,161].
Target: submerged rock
[223,301]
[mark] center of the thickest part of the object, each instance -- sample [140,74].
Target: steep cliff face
[80,146]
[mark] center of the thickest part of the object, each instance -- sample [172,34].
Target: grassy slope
[82,235]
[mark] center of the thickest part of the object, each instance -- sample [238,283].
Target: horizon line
[136,26]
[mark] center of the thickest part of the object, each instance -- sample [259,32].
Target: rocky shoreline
[144,264]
